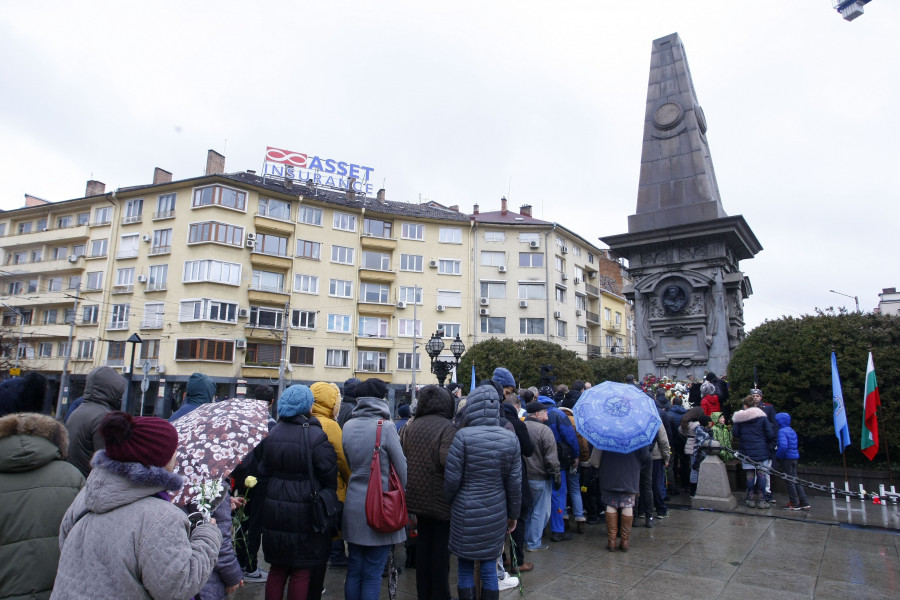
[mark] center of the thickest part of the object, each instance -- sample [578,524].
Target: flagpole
[887,453]
[844,456]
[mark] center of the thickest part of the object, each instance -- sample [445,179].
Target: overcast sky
[466,102]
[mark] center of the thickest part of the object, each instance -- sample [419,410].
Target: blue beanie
[503,377]
[296,400]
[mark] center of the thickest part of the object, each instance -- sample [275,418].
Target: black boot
[489,594]
[466,593]
[649,521]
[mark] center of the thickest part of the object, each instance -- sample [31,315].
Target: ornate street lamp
[441,368]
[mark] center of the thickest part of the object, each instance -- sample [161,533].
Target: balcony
[157,250]
[47,236]
[385,376]
[364,341]
[127,254]
[592,317]
[377,275]
[118,325]
[611,325]
[278,262]
[374,308]
[268,224]
[155,287]
[592,290]
[123,289]
[44,266]
[371,242]
[132,219]
[266,296]
[594,351]
[255,371]
[163,214]
[152,324]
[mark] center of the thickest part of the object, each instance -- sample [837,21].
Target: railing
[132,219]
[614,325]
[123,289]
[155,287]
[163,214]
[127,253]
[118,325]
[592,289]
[594,350]
[592,317]
[157,250]
[155,324]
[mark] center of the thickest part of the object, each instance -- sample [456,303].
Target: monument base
[713,488]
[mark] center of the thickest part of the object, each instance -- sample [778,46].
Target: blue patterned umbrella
[616,417]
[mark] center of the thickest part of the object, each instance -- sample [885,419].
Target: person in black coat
[621,483]
[296,552]
[23,394]
[348,401]
[526,446]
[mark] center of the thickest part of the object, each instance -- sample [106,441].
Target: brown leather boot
[612,528]
[579,526]
[626,531]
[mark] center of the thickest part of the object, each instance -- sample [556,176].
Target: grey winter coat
[483,479]
[133,544]
[103,393]
[359,442]
[543,463]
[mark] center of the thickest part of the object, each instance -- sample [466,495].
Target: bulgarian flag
[871,402]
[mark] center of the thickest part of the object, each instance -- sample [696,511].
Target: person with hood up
[721,387]
[485,503]
[403,414]
[326,408]
[788,454]
[122,537]
[200,389]
[573,477]
[710,402]
[568,452]
[348,401]
[755,436]
[37,485]
[296,552]
[103,393]
[722,434]
[426,441]
[368,549]
[689,423]
[23,394]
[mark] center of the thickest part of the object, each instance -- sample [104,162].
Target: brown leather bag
[385,510]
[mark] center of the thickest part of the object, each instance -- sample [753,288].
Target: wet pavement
[836,550]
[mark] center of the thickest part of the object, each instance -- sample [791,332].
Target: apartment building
[244,278]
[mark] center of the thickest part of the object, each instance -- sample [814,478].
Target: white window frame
[417,259]
[450,235]
[85,349]
[383,290]
[368,358]
[310,215]
[526,289]
[494,236]
[343,221]
[487,322]
[449,330]
[449,266]
[405,361]
[493,258]
[412,231]
[493,289]
[337,358]
[411,294]
[303,319]
[340,288]
[207,309]
[405,327]
[527,326]
[339,323]
[373,327]
[306,284]
[196,271]
[99,248]
[342,255]
[449,298]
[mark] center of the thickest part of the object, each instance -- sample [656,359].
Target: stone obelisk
[683,250]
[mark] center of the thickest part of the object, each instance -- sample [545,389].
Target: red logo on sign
[287,157]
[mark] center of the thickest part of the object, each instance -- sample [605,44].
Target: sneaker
[257,576]
[750,502]
[802,507]
[508,583]
[789,506]
[539,548]
[662,516]
[763,504]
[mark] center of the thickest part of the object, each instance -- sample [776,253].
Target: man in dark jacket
[23,394]
[348,401]
[511,415]
[679,466]
[426,441]
[200,389]
[568,453]
[103,393]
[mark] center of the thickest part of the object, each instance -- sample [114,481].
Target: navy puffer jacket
[490,491]
[788,445]
[754,432]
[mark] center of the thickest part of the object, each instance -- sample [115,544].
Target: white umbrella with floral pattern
[212,440]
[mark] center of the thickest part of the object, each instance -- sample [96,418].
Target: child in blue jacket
[788,454]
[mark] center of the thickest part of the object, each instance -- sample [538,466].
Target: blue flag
[472,386]
[840,416]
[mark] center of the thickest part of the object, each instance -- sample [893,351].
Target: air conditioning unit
[484,312]
[577,312]
[126,369]
[577,281]
[614,350]
[73,258]
[251,237]
[440,308]
[251,244]
[485,301]
[591,274]
[433,264]
[557,315]
[523,303]
[565,249]
[502,268]
[564,277]
[244,313]
[534,244]
[401,304]
[240,344]
[142,279]
[160,368]
[147,237]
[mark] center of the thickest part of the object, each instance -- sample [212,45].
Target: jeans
[365,564]
[795,492]
[659,487]
[488,571]
[558,506]
[573,485]
[540,511]
[756,478]
[433,559]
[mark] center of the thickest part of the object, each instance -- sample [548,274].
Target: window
[340,288]
[78,249]
[115,353]
[74,282]
[62,349]
[303,319]
[271,244]
[576,251]
[342,254]
[451,298]
[531,326]
[206,309]
[154,313]
[45,349]
[607,315]
[83,218]
[37,255]
[85,349]
[267,281]
[377,261]
[55,284]
[494,236]
[308,249]
[41,225]
[27,316]
[560,264]
[267,318]
[532,291]
[63,222]
[2,229]
[203,349]
[20,258]
[609,341]
[448,330]
[590,257]
[374,293]
[98,248]
[560,243]
[301,355]
[159,274]
[125,277]
[406,360]
[580,302]
[493,289]
[95,280]
[90,314]
[263,354]
[527,238]
[448,266]
[411,262]
[581,333]
[531,259]
[306,284]
[337,358]
[373,327]
[26,351]
[14,288]
[165,206]
[32,286]
[133,211]
[50,316]
[119,316]
[338,323]
[149,349]
[213,231]
[406,327]
[24,228]
[450,235]
[411,295]
[579,273]
[561,329]
[375,362]
[215,271]
[618,320]
[102,215]
[493,325]
[59,252]
[493,259]
[377,228]
[275,209]
[310,215]
[220,195]
[560,294]
[344,222]
[412,231]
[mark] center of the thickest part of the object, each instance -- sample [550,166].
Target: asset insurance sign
[287,164]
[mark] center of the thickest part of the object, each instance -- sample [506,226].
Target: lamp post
[134,339]
[855,298]
[434,347]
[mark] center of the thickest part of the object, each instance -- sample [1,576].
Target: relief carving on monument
[653,258]
[692,252]
[674,298]
[696,306]
[656,311]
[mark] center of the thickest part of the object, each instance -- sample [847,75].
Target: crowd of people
[488,478]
